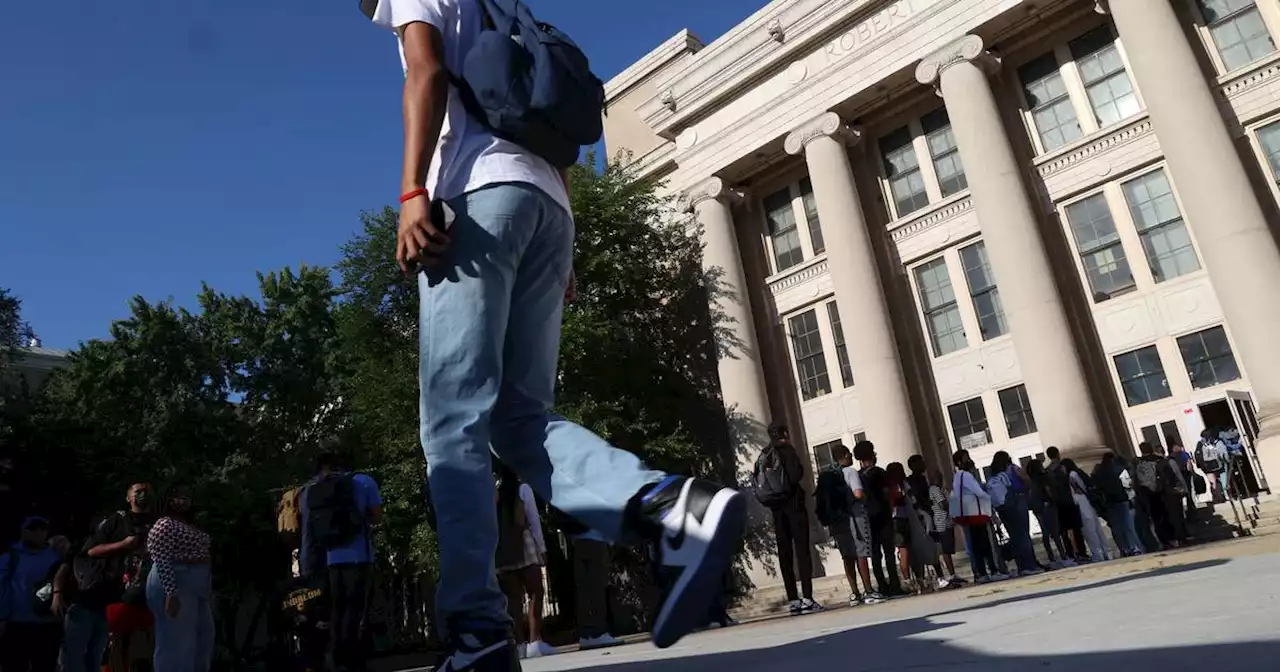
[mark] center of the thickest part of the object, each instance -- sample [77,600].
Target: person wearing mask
[1008,488]
[880,515]
[1091,522]
[100,595]
[777,476]
[1069,520]
[180,589]
[486,228]
[29,638]
[970,506]
[1041,503]
[944,528]
[521,556]
[339,510]
[1108,478]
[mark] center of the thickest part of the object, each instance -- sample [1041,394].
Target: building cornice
[749,51]
[680,43]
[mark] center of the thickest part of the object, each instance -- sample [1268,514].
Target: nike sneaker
[472,653]
[698,526]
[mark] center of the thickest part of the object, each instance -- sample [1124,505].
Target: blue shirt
[30,569]
[360,550]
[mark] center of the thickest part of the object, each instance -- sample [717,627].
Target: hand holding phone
[424,233]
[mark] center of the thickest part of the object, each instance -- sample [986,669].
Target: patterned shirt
[174,542]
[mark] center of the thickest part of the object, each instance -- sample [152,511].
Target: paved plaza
[1208,608]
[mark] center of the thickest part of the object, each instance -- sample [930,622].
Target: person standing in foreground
[839,505]
[777,476]
[339,509]
[492,285]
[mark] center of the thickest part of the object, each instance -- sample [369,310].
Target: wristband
[410,195]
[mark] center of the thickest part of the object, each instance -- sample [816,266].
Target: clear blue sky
[147,146]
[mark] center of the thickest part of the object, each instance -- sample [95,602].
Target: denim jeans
[490,317]
[184,643]
[84,639]
[1120,518]
[1017,522]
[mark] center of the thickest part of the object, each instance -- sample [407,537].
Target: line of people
[139,587]
[899,524]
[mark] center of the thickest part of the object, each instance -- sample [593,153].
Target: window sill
[1243,76]
[968,350]
[928,211]
[809,268]
[1085,142]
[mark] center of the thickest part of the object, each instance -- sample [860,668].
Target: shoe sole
[690,598]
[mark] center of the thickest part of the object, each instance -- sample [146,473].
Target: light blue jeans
[185,643]
[84,639]
[1123,530]
[490,336]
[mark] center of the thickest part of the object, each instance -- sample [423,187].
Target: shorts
[853,537]
[124,619]
[946,539]
[901,533]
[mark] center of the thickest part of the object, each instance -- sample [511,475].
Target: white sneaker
[855,600]
[809,606]
[797,607]
[873,598]
[942,583]
[603,641]
[539,649]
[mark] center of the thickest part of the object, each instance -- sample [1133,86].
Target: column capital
[712,188]
[967,49]
[827,124]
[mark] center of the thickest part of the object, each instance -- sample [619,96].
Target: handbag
[965,508]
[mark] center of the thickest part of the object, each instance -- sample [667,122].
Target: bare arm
[426,95]
[115,548]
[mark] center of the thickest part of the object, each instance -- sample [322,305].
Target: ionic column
[742,382]
[873,353]
[1218,200]
[1051,367]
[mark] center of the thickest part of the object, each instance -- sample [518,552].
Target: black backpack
[772,483]
[333,516]
[833,500]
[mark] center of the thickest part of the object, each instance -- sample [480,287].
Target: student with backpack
[496,107]
[1069,519]
[776,476]
[970,507]
[29,631]
[339,509]
[1107,478]
[839,504]
[880,514]
[1088,501]
[1160,491]
[1008,487]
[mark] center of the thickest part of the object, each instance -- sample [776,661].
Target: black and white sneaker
[472,653]
[699,525]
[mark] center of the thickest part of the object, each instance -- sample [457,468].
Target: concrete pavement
[1206,608]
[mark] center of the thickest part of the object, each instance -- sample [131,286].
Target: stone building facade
[990,224]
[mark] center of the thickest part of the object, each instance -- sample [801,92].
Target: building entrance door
[1237,413]
[1161,431]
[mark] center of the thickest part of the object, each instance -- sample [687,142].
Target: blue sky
[147,146]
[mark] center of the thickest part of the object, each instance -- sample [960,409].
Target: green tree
[13,331]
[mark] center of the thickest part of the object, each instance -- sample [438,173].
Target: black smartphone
[442,218]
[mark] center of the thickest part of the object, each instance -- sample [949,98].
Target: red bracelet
[410,195]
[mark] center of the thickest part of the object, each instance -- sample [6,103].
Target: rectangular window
[941,312]
[811,362]
[1099,246]
[822,458]
[1208,357]
[1164,235]
[1142,376]
[983,290]
[1110,92]
[1018,417]
[946,157]
[1269,138]
[902,169]
[1238,31]
[782,230]
[969,424]
[842,351]
[811,216]
[1051,110]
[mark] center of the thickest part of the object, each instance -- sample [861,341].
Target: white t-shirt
[853,478]
[467,156]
